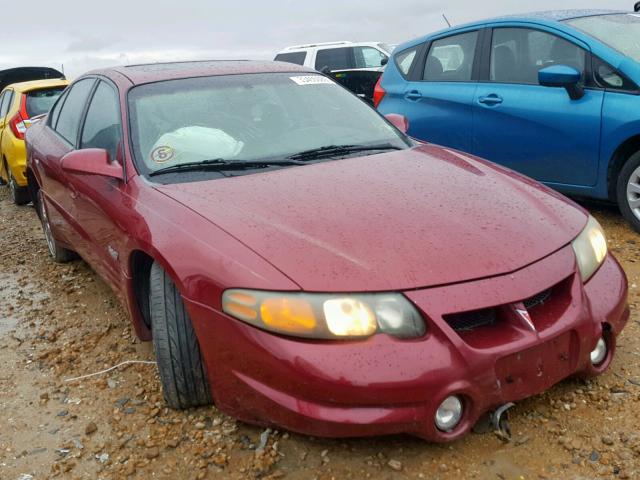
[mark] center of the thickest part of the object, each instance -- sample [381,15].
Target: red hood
[392,221]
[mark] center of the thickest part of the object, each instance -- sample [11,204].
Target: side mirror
[399,121]
[562,76]
[384,61]
[92,161]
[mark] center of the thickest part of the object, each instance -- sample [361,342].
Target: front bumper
[384,385]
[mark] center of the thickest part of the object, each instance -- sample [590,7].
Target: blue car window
[517,54]
[619,31]
[404,60]
[451,59]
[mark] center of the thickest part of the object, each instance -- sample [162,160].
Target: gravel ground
[58,322]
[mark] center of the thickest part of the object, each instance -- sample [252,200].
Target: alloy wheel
[45,225]
[12,185]
[633,192]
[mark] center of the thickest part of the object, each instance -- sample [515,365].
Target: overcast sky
[85,34]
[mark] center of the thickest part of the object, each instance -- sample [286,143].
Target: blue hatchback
[553,95]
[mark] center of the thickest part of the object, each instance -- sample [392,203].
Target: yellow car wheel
[20,195]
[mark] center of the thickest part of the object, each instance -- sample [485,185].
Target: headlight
[325,316]
[590,248]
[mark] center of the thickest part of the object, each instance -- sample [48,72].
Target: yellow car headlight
[325,316]
[590,248]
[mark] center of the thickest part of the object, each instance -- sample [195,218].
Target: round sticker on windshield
[162,154]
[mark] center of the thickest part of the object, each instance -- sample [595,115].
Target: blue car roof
[556,15]
[548,18]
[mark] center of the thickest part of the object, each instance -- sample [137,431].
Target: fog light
[599,353]
[449,414]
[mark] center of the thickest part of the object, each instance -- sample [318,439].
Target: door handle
[73,193]
[413,95]
[490,100]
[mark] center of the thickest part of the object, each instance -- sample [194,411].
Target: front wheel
[628,191]
[182,371]
[20,195]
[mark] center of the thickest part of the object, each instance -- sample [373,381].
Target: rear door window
[41,101]
[297,58]
[70,115]
[102,125]
[368,57]
[518,54]
[451,59]
[335,58]
[55,111]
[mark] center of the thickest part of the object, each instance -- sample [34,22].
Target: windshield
[41,101]
[619,31]
[387,47]
[249,118]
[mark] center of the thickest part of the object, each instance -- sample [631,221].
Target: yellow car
[19,103]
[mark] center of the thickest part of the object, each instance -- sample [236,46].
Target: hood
[394,221]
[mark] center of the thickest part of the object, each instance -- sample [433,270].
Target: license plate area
[534,370]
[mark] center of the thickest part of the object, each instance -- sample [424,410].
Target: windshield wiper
[330,150]
[221,164]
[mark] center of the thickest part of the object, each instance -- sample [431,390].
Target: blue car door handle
[490,100]
[413,95]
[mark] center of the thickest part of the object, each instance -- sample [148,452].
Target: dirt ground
[61,321]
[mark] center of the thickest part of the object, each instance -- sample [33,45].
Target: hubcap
[46,227]
[633,192]
[12,185]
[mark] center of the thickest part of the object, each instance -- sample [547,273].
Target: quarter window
[68,120]
[451,59]
[405,59]
[102,125]
[297,58]
[4,103]
[517,54]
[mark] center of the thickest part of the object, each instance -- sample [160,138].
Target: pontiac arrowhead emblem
[523,314]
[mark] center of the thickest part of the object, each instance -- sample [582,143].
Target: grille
[538,299]
[461,322]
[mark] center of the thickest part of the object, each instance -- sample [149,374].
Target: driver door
[100,200]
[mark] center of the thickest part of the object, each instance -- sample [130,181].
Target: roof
[322,44]
[561,15]
[544,17]
[39,84]
[156,72]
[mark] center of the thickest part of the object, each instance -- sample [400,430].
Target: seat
[503,65]
[433,69]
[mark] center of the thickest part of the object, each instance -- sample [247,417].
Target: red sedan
[300,262]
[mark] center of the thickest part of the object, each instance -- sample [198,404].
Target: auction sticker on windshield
[312,80]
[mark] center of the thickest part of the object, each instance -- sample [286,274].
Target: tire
[182,371]
[628,191]
[58,253]
[20,195]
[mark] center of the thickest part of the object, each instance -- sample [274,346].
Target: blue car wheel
[628,190]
